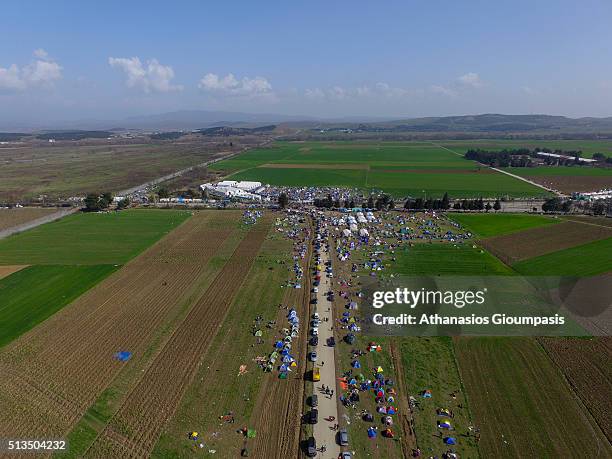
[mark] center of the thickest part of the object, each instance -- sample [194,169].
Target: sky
[71,60]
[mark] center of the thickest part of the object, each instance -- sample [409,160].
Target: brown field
[19,216]
[315,166]
[599,221]
[6,271]
[70,169]
[135,428]
[58,369]
[531,243]
[586,365]
[569,184]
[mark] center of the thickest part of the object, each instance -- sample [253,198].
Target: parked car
[313,356]
[314,341]
[311,447]
[331,342]
[313,416]
[315,331]
[315,316]
[343,437]
[313,401]
[346,455]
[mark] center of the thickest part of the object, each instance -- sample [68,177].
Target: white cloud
[154,77]
[230,85]
[316,93]
[43,71]
[470,79]
[41,54]
[443,90]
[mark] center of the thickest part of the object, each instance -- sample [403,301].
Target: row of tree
[95,202]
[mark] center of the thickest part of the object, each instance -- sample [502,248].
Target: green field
[486,225]
[97,238]
[522,403]
[447,259]
[583,260]
[588,147]
[33,294]
[399,168]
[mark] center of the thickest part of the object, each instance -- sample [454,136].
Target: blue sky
[108,60]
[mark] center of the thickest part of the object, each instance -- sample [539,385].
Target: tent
[258,333]
[379,370]
[371,432]
[368,417]
[444,425]
[391,410]
[282,375]
[426,393]
[278,344]
[123,356]
[388,433]
[387,420]
[450,441]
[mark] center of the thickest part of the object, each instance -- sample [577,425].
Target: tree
[370,202]
[599,208]
[92,203]
[497,205]
[599,157]
[124,203]
[352,204]
[283,200]
[457,205]
[391,204]
[163,192]
[488,207]
[445,202]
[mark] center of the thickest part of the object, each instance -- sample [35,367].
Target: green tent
[282,375]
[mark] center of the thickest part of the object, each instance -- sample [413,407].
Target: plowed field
[18,216]
[53,373]
[136,427]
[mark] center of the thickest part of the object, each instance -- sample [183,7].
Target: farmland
[31,295]
[97,238]
[535,242]
[18,216]
[487,225]
[567,179]
[145,302]
[521,402]
[400,168]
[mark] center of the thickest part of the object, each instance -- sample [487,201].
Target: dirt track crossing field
[18,216]
[134,430]
[6,271]
[532,243]
[58,369]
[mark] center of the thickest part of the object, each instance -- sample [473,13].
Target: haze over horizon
[403,59]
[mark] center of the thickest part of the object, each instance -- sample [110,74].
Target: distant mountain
[490,123]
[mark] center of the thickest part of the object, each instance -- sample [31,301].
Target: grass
[400,168]
[583,260]
[429,363]
[447,259]
[33,294]
[97,238]
[521,402]
[486,225]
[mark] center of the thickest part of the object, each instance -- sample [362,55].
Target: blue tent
[355,364]
[371,432]
[278,344]
[450,441]
[123,356]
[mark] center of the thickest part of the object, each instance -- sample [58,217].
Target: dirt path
[6,271]
[328,408]
[406,420]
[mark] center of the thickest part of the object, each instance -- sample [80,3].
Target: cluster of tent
[250,217]
[282,347]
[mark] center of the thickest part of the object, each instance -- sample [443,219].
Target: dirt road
[328,408]
[39,221]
